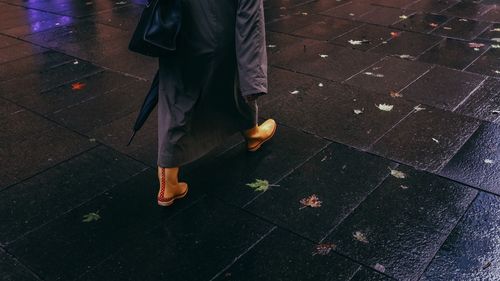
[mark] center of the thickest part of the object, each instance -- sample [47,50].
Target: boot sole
[171,201]
[255,148]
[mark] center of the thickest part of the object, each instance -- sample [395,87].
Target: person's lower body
[171,189]
[200,101]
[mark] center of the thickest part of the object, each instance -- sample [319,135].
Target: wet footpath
[385,166]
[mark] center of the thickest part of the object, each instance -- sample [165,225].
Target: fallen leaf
[260,185]
[351,14]
[311,201]
[355,42]
[435,140]
[379,267]
[360,236]
[475,45]
[378,75]
[90,217]
[497,71]
[397,174]
[495,29]
[358,111]
[447,28]
[403,17]
[271,46]
[78,86]
[385,107]
[304,14]
[323,249]
[323,56]
[395,34]
[404,187]
[489,161]
[395,94]
[463,20]
[433,24]
[419,108]
[295,92]
[76,62]
[320,85]
[408,57]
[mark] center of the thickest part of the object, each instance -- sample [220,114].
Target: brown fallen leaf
[396,94]
[395,34]
[323,249]
[311,201]
[78,86]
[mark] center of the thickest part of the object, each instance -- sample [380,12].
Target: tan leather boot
[260,134]
[170,188]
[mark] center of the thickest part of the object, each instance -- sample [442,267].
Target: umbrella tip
[131,138]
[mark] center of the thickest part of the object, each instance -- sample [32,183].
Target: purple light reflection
[41,25]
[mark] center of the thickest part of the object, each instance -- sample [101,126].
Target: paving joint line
[289,172]
[46,169]
[110,188]
[377,186]
[244,252]
[145,233]
[26,267]
[470,94]
[429,262]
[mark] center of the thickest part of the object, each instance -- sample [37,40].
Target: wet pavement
[386,164]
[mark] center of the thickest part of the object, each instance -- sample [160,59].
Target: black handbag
[157,30]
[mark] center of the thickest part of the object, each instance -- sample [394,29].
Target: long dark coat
[220,58]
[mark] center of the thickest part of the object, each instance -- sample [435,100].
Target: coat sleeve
[251,47]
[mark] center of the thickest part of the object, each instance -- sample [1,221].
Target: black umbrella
[147,106]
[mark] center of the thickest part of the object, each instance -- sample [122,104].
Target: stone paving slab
[381,231]
[334,175]
[236,168]
[358,87]
[286,253]
[469,253]
[14,270]
[482,104]
[203,240]
[37,143]
[477,162]
[426,139]
[38,200]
